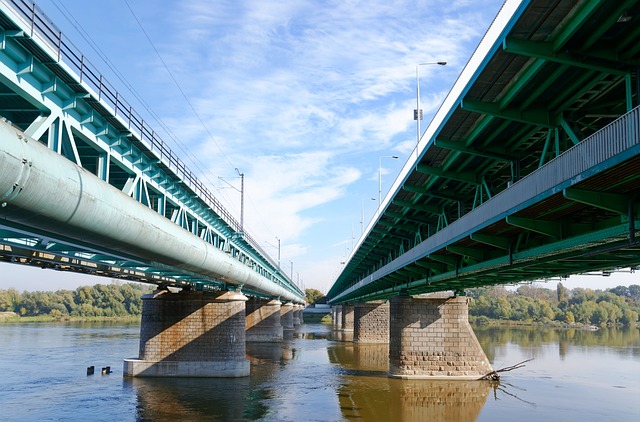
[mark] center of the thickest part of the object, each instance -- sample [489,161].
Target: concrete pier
[263,322]
[191,334]
[336,315]
[286,316]
[296,315]
[371,322]
[430,337]
[347,318]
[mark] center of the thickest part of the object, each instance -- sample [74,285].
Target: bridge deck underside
[559,73]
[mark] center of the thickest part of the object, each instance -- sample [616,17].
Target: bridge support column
[430,337]
[191,334]
[301,314]
[263,320]
[286,316]
[371,322]
[296,315]
[336,317]
[347,317]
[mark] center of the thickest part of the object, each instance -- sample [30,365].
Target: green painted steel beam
[433,209]
[546,227]
[536,117]
[391,225]
[462,147]
[545,50]
[432,265]
[607,201]
[447,259]
[492,240]
[424,191]
[467,177]
[475,253]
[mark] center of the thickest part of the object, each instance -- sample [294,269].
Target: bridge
[87,185]
[529,170]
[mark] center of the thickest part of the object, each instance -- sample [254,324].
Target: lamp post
[278,239]
[380,177]
[417,113]
[242,200]
[362,214]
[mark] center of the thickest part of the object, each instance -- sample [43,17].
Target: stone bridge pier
[191,334]
[430,337]
[263,322]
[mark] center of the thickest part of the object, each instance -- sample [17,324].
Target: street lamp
[278,239]
[242,200]
[362,214]
[380,176]
[417,113]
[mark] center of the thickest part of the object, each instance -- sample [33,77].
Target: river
[319,375]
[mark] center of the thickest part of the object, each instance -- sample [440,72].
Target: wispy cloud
[303,97]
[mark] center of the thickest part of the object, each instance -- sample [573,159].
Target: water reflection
[366,393]
[161,399]
[622,340]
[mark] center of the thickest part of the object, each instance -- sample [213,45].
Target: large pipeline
[41,189]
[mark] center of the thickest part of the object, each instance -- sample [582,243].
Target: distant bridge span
[529,170]
[86,185]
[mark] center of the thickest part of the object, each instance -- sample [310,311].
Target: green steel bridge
[529,170]
[87,185]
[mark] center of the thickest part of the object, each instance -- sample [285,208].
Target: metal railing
[86,73]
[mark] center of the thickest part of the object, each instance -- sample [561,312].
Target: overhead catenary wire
[202,168]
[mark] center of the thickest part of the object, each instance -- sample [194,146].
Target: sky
[309,99]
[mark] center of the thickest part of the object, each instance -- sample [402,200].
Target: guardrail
[66,52]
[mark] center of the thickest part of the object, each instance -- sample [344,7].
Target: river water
[319,375]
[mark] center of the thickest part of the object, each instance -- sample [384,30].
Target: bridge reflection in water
[366,393]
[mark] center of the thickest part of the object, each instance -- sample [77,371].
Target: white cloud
[303,97]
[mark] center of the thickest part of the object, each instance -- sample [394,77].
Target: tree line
[100,300]
[620,305]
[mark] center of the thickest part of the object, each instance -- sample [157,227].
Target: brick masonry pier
[263,320]
[286,316]
[191,334]
[371,322]
[336,317]
[430,337]
[347,318]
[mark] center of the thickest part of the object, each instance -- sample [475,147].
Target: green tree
[311,295]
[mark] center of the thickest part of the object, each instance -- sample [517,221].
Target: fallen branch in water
[493,375]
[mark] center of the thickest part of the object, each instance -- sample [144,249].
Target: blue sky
[304,97]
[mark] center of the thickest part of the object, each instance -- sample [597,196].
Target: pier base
[286,317]
[191,334]
[371,322]
[430,338]
[347,318]
[263,320]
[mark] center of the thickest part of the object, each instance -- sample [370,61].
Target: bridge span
[87,185]
[529,170]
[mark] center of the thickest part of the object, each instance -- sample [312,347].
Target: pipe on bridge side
[41,189]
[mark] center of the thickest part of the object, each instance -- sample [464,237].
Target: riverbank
[483,321]
[12,317]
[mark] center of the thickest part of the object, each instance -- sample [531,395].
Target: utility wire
[181,145]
